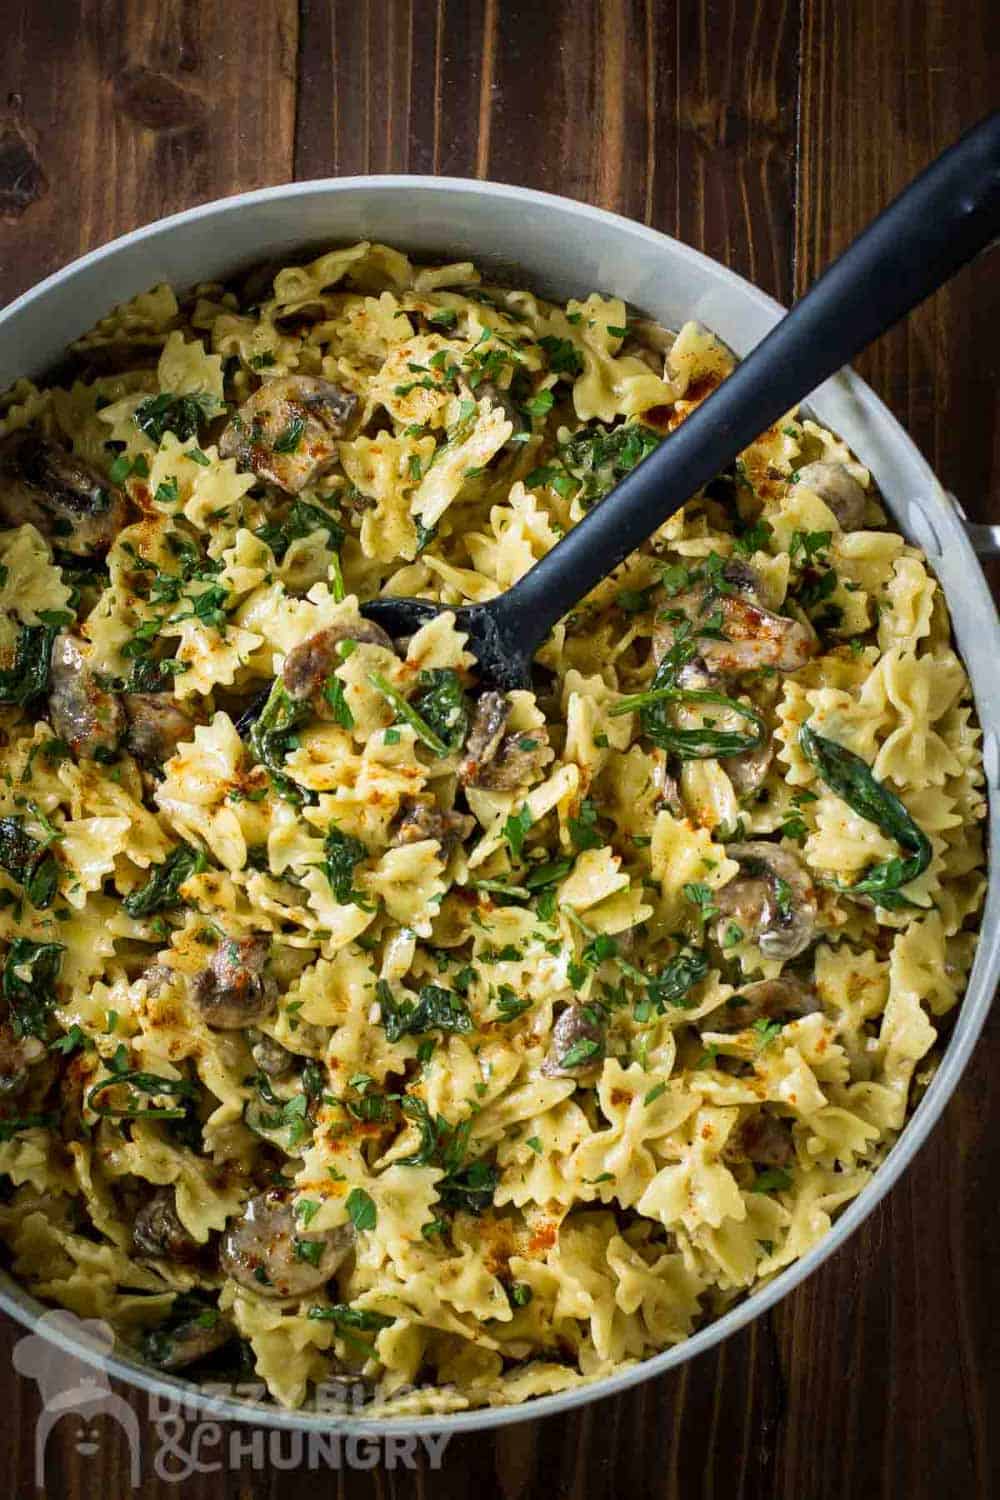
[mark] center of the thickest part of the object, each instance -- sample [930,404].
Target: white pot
[558,248]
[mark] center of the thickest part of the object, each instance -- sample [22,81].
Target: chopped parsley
[361,1209]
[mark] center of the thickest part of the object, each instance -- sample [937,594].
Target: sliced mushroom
[158,1231]
[156,726]
[308,665]
[485,733]
[233,991]
[578,1042]
[748,771]
[270,1056]
[179,1344]
[761,1138]
[518,760]
[264,1251]
[765,1000]
[17,1056]
[60,495]
[497,396]
[421,818]
[838,489]
[754,637]
[287,431]
[772,900]
[496,760]
[91,721]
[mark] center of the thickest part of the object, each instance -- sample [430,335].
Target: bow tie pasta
[361,1023]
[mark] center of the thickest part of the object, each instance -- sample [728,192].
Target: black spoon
[939,223]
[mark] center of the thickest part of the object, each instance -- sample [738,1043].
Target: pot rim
[945,530]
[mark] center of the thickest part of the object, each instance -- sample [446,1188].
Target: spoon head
[501,662]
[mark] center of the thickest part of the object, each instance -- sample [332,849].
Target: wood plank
[116,114]
[868,125]
[897,1308]
[680,115]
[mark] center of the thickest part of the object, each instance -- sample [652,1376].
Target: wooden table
[765,132]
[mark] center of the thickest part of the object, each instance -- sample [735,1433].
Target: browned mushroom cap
[497,760]
[287,431]
[772,900]
[761,1138]
[264,1251]
[60,495]
[577,1042]
[748,771]
[17,1056]
[233,991]
[765,1000]
[91,721]
[421,818]
[158,1231]
[308,665]
[837,487]
[497,396]
[173,1347]
[270,1056]
[156,726]
[754,637]
[485,733]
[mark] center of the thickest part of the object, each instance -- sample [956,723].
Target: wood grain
[765,132]
[130,113]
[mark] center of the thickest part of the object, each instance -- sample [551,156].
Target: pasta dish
[361,1023]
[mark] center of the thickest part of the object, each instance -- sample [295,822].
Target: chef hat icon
[69,1384]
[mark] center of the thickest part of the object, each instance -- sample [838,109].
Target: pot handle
[984,535]
[985,539]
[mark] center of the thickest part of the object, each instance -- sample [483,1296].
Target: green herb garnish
[851,778]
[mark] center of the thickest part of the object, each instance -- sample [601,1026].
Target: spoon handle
[941,221]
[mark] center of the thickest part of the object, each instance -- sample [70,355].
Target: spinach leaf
[671,985]
[343,852]
[436,1009]
[300,520]
[181,415]
[703,743]
[358,1319]
[850,777]
[408,714]
[443,706]
[272,731]
[653,705]
[289,439]
[138,1083]
[9,1128]
[470,1187]
[30,998]
[362,1209]
[29,676]
[30,862]
[162,889]
[467,1185]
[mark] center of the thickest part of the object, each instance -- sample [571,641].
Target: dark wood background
[765,132]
